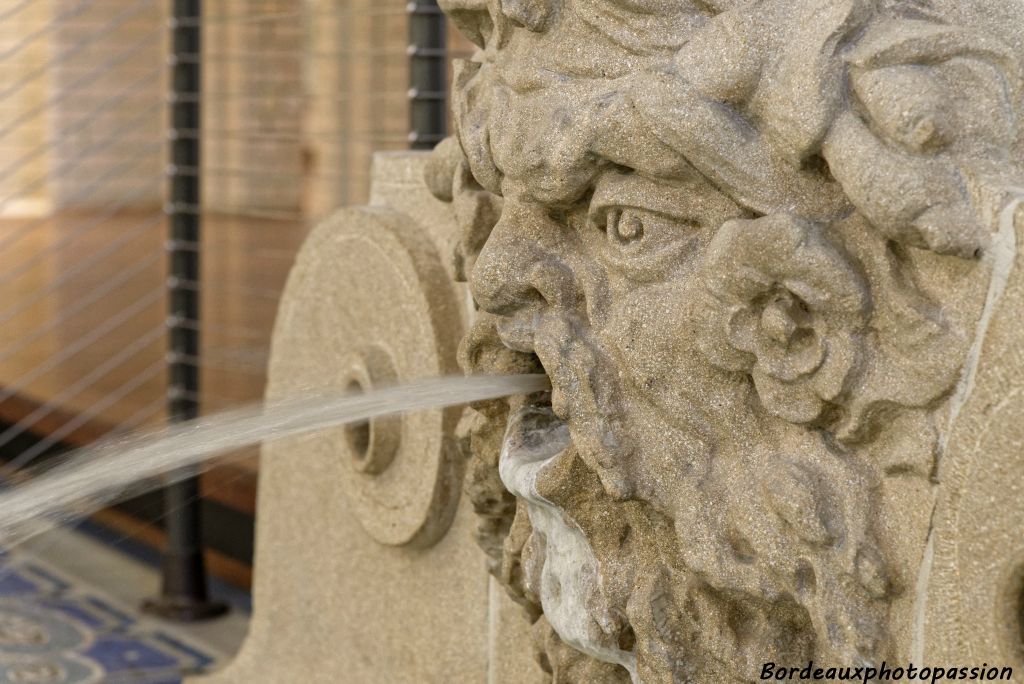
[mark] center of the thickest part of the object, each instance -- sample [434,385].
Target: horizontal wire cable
[77,47]
[33,297]
[253,357]
[337,135]
[330,97]
[227,288]
[237,331]
[269,214]
[67,90]
[250,252]
[140,119]
[272,174]
[208,19]
[80,305]
[199,362]
[90,22]
[298,53]
[72,234]
[83,383]
[82,122]
[129,141]
[41,32]
[232,218]
[109,324]
[248,355]
[80,419]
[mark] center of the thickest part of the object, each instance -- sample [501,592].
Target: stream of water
[90,478]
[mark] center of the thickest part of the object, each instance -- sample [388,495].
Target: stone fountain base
[366,569]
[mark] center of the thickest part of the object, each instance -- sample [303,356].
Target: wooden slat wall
[18,101]
[297,97]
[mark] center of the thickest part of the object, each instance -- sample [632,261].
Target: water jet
[766,255]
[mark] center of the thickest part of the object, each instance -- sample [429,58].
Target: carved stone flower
[785,305]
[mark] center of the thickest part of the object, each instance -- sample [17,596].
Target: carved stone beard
[696,573]
[587,394]
[690,531]
[786,199]
[549,563]
[683,532]
[561,567]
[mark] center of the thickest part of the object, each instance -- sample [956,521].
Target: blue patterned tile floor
[55,629]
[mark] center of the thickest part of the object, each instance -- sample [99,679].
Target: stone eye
[624,226]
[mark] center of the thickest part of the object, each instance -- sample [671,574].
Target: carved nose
[520,266]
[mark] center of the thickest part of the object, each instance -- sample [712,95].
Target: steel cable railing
[115,172]
[109,285]
[75,48]
[86,79]
[138,120]
[84,121]
[82,383]
[286,105]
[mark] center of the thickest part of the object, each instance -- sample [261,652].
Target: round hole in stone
[371,445]
[358,434]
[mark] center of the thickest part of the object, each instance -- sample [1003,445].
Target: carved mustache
[585,393]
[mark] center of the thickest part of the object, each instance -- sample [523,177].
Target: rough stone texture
[972,586]
[761,250]
[767,254]
[365,566]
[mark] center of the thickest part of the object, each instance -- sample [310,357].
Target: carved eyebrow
[680,200]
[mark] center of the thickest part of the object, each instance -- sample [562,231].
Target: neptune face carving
[720,228]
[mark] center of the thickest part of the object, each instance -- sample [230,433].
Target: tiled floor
[78,291]
[69,615]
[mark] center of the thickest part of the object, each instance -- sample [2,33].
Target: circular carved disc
[368,303]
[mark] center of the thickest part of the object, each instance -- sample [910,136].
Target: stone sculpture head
[747,241]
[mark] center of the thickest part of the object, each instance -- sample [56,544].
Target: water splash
[90,478]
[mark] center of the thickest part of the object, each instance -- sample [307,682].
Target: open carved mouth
[584,383]
[563,570]
[536,432]
[566,577]
[534,437]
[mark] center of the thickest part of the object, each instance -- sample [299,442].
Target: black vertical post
[183,593]
[428,75]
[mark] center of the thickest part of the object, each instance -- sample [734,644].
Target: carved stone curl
[751,244]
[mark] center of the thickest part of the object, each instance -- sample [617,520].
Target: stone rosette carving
[786,307]
[748,242]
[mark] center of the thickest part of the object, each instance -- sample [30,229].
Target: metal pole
[428,75]
[184,593]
